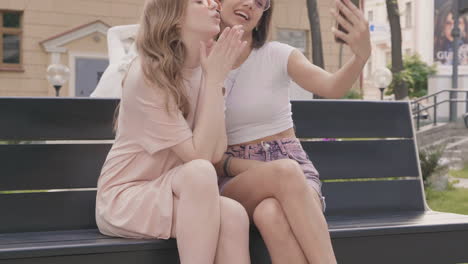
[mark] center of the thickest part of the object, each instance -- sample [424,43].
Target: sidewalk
[463,183]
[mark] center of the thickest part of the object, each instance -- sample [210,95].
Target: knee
[200,176]
[234,217]
[268,214]
[289,175]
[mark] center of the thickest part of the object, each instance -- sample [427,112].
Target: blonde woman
[158,180]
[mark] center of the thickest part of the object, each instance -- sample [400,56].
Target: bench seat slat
[402,223]
[51,166]
[363,159]
[47,211]
[366,197]
[428,248]
[91,241]
[352,119]
[75,242]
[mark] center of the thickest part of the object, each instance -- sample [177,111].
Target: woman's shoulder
[139,85]
[275,46]
[275,50]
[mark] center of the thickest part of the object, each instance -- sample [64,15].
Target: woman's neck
[192,46]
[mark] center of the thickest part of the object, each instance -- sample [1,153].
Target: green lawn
[460,173]
[452,200]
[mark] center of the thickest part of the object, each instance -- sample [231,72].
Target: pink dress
[134,197]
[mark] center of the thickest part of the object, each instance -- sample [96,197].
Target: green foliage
[353,94]
[415,75]
[430,161]
[463,173]
[452,200]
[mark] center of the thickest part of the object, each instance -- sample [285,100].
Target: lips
[217,15]
[242,14]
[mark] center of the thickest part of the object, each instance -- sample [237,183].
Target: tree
[317,49]
[400,88]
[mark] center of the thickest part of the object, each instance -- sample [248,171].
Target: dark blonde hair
[161,50]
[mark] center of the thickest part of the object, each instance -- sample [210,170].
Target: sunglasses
[263,4]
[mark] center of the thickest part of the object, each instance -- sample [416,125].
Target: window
[10,40]
[294,37]
[408,16]
[370,16]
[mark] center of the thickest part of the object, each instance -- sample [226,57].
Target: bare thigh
[197,176]
[174,217]
[257,184]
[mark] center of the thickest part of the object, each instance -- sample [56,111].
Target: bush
[352,94]
[415,75]
[430,161]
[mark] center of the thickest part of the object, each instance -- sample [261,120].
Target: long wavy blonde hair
[162,53]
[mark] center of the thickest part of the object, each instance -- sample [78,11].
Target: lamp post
[455,60]
[382,78]
[58,75]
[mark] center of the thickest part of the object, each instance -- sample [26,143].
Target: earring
[256,28]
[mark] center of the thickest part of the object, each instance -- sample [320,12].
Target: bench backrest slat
[355,198]
[352,119]
[51,166]
[30,212]
[56,118]
[364,159]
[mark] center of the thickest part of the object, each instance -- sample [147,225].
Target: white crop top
[257,98]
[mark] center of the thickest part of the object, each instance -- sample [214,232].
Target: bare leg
[233,245]
[196,216]
[285,181]
[270,220]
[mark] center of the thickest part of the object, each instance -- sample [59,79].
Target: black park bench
[376,208]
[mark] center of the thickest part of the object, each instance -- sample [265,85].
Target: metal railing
[418,108]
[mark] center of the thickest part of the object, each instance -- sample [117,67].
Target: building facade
[37,33]
[412,26]
[426,26]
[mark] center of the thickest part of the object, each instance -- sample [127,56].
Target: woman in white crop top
[265,167]
[267,170]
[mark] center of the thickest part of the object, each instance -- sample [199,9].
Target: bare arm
[325,84]
[321,82]
[209,133]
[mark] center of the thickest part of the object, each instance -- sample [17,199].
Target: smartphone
[356,3]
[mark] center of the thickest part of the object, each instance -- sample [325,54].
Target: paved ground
[463,183]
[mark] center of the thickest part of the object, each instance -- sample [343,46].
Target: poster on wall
[443,40]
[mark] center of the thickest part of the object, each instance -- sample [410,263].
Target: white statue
[122,50]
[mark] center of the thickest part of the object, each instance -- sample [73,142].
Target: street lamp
[58,75]
[382,78]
